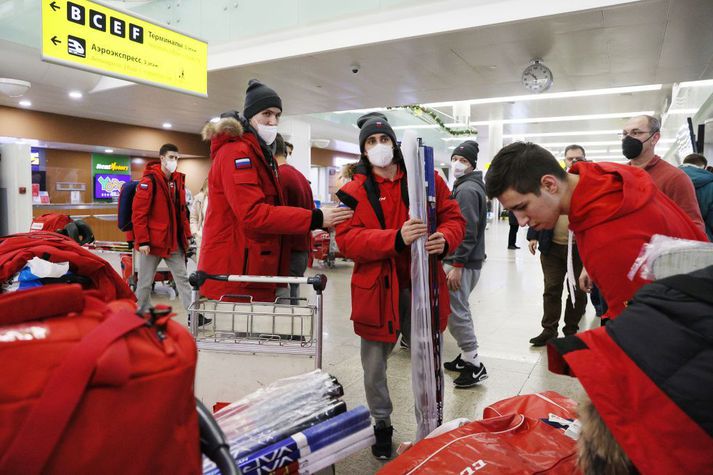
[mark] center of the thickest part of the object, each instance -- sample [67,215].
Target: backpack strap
[37,438]
[695,287]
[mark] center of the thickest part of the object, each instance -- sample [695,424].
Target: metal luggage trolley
[240,324]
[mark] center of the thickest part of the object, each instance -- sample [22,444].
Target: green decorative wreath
[418,110]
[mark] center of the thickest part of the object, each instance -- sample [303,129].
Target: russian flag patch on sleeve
[144,186]
[242,163]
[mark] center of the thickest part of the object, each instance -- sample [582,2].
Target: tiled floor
[506,305]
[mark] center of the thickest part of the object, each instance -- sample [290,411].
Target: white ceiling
[648,42]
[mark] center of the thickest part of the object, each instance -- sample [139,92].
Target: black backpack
[126,200]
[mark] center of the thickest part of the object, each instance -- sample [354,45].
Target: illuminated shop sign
[108,186]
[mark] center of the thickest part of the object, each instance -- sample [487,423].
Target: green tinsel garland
[418,110]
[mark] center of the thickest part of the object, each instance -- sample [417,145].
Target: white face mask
[171,165]
[267,133]
[380,155]
[458,168]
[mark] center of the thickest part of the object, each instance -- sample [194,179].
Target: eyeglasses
[635,133]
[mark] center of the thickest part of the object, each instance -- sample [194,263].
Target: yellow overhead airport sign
[88,35]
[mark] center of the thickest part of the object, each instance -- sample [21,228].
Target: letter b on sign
[75,13]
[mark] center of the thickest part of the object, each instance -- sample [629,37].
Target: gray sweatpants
[147,269]
[374,357]
[460,321]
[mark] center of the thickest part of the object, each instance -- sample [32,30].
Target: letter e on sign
[118,27]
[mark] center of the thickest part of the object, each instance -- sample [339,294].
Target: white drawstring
[571,279]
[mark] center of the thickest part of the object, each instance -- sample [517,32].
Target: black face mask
[631,147]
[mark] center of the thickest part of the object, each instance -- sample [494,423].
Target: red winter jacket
[297,192]
[615,210]
[377,261]
[159,215]
[245,223]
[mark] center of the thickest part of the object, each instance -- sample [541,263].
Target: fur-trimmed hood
[228,125]
[227,129]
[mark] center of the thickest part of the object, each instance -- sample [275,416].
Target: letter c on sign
[97,20]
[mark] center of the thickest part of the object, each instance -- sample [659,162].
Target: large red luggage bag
[91,387]
[88,385]
[510,444]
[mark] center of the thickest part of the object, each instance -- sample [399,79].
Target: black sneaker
[543,338]
[471,376]
[404,344]
[456,365]
[201,320]
[382,448]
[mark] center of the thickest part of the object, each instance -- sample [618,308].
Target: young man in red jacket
[247,221]
[297,193]
[161,227]
[613,211]
[378,240]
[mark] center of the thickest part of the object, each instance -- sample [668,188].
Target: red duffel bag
[536,406]
[91,387]
[51,222]
[511,444]
[93,272]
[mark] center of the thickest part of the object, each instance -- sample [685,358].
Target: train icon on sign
[76,46]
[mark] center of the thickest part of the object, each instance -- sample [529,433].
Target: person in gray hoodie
[464,265]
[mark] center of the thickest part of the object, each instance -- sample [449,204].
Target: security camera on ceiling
[355,68]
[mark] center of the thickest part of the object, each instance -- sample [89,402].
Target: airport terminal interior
[90,91]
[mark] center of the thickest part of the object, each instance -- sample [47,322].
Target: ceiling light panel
[568,118]
[552,95]
[576,133]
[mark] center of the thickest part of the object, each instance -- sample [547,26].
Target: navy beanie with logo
[259,97]
[469,150]
[374,123]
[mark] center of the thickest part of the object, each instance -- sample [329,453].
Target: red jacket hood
[607,191]
[219,133]
[154,168]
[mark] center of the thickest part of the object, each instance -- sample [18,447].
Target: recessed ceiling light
[167,125]
[108,150]
[25,103]
[75,94]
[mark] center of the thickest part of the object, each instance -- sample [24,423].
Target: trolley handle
[198,278]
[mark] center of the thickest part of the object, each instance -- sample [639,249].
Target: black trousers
[512,237]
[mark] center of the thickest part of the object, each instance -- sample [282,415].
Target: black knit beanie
[374,123]
[469,150]
[259,97]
